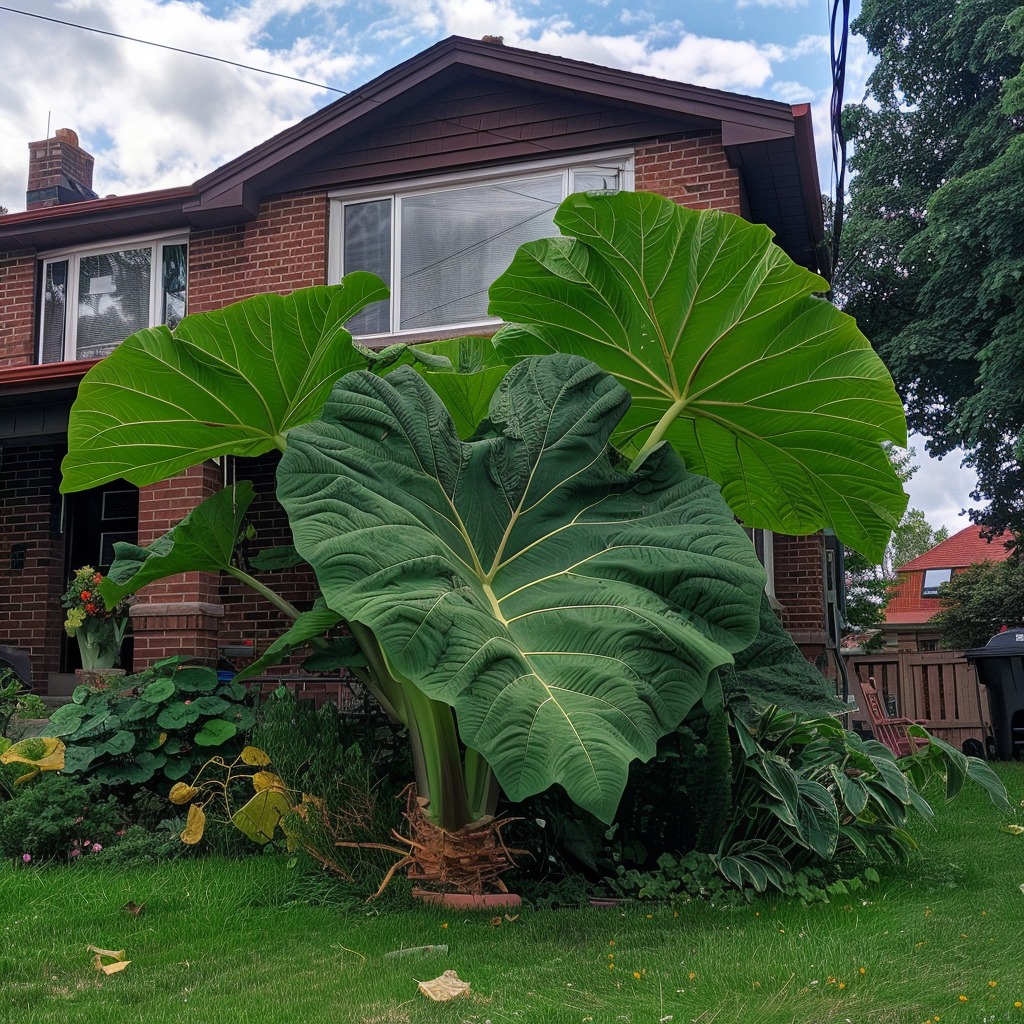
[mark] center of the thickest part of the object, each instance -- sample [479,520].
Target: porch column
[179,615]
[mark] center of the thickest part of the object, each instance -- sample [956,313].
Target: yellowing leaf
[110,954]
[182,792]
[194,825]
[43,752]
[448,986]
[254,756]
[162,739]
[261,815]
[268,780]
[117,965]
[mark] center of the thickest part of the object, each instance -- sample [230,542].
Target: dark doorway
[94,521]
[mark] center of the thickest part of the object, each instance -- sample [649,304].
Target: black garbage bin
[1000,666]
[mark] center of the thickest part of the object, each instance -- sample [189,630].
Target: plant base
[469,900]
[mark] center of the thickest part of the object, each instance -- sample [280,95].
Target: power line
[175,49]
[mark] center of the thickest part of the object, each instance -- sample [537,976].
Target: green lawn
[218,944]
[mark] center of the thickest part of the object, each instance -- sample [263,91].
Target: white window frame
[766,556]
[622,160]
[73,256]
[932,591]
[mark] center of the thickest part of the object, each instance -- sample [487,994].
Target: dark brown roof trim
[20,380]
[95,219]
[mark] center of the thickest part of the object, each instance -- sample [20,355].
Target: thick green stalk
[482,787]
[264,591]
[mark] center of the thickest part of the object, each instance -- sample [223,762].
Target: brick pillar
[179,615]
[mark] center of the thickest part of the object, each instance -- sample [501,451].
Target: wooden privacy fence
[940,687]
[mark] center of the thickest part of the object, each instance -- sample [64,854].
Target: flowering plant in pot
[98,629]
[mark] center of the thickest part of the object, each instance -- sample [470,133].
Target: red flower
[86,595]
[90,608]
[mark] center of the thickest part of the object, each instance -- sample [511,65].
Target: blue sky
[155,119]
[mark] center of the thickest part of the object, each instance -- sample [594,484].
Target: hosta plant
[538,583]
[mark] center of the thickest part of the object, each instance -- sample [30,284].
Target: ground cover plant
[250,940]
[538,583]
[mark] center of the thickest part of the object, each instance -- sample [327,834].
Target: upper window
[439,245]
[933,579]
[93,299]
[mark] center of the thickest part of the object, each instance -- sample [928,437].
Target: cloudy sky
[155,118]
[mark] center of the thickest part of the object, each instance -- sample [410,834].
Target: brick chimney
[59,171]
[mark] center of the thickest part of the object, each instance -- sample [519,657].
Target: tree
[870,582]
[978,603]
[934,243]
[868,585]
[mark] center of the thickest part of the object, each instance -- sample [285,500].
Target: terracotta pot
[469,900]
[97,678]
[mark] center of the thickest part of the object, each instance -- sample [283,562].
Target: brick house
[369,182]
[916,597]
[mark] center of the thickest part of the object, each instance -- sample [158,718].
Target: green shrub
[152,728]
[139,845]
[58,818]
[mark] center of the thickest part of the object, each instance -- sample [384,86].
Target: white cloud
[155,119]
[151,117]
[793,92]
[940,487]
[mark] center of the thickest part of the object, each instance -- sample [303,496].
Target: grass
[219,943]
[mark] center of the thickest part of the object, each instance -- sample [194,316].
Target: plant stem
[261,588]
[657,435]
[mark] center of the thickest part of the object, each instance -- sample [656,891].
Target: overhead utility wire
[248,67]
[175,49]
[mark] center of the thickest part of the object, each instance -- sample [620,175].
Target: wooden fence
[940,687]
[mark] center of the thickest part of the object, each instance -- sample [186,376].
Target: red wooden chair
[892,732]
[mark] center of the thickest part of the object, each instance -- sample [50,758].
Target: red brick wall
[693,172]
[800,589]
[283,249]
[30,516]
[17,302]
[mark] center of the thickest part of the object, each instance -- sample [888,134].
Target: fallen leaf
[511,917]
[448,986]
[495,921]
[113,968]
[112,954]
[133,908]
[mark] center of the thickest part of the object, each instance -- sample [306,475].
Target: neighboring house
[916,598]
[431,175]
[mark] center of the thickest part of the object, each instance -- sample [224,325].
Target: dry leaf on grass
[133,908]
[448,986]
[116,956]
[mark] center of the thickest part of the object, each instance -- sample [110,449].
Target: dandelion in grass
[1017,1005]
[444,927]
[963,999]
[692,975]
[636,974]
[862,970]
[842,985]
[992,984]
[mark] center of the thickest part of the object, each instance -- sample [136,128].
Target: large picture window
[93,299]
[439,245]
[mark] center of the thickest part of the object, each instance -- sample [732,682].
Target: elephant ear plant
[539,584]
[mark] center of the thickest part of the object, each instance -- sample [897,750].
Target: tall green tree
[933,254]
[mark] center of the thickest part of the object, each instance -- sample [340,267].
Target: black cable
[175,49]
[836,109]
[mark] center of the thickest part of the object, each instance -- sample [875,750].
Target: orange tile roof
[961,550]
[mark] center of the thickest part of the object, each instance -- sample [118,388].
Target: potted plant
[98,629]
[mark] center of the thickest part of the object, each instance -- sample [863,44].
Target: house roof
[908,605]
[964,548]
[771,143]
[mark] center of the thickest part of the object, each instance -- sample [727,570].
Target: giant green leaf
[569,610]
[229,382]
[728,354]
[203,541]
